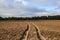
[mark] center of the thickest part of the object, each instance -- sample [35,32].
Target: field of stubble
[15,30]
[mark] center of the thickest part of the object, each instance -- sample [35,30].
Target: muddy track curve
[39,36]
[27,31]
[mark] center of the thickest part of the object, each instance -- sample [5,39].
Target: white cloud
[25,7]
[1,1]
[58,3]
[24,3]
[40,0]
[18,0]
[47,13]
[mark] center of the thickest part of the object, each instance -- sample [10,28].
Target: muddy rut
[32,33]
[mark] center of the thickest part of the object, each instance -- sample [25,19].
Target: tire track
[39,36]
[27,31]
[25,34]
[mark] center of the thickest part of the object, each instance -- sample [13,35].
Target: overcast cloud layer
[24,8]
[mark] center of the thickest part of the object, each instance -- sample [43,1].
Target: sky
[29,8]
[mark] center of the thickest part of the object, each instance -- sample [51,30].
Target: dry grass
[13,30]
[50,29]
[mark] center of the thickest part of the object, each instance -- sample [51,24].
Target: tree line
[57,17]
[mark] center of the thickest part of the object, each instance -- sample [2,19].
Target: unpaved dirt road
[30,30]
[32,33]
